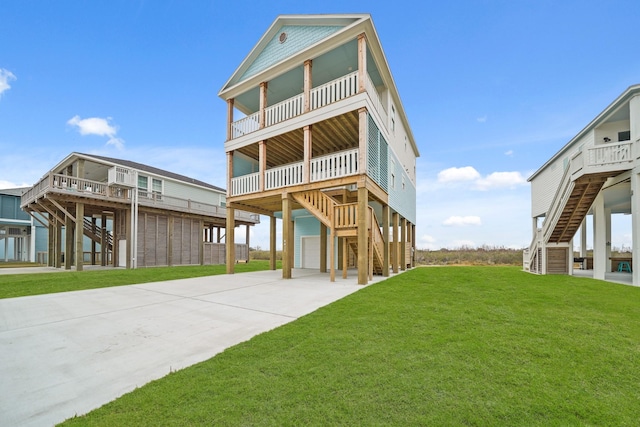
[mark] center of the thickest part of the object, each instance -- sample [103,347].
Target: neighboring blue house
[317,136]
[22,238]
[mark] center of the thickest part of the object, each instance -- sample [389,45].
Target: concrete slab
[68,353]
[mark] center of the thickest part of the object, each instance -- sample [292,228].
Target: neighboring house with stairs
[113,212]
[317,136]
[21,237]
[596,173]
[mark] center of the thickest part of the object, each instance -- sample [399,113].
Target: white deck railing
[608,154]
[334,91]
[284,110]
[343,163]
[245,184]
[321,96]
[283,176]
[245,125]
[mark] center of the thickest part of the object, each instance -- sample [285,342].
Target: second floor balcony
[98,192]
[318,97]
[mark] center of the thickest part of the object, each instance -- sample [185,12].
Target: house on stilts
[111,212]
[597,174]
[317,136]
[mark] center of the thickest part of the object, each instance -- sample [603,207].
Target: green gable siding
[298,39]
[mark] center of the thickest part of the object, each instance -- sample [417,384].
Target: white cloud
[460,221]
[97,126]
[501,180]
[508,153]
[4,184]
[5,77]
[467,173]
[482,119]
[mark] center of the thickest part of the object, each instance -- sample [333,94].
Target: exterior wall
[243,165]
[610,130]
[402,199]
[176,189]
[400,145]
[10,209]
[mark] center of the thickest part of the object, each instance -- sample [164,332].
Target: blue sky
[492,90]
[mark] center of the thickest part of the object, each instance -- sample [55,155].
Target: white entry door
[310,252]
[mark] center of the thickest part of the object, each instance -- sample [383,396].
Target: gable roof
[613,108]
[149,169]
[339,28]
[267,52]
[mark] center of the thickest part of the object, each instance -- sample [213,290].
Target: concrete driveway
[68,353]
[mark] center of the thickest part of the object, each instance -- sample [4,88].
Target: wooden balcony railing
[56,183]
[321,96]
[336,165]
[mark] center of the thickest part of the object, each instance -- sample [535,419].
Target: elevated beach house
[107,211]
[21,237]
[596,173]
[317,136]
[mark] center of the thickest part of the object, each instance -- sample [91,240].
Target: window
[156,188]
[624,136]
[402,183]
[393,174]
[143,185]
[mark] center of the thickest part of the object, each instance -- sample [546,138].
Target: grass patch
[18,285]
[433,346]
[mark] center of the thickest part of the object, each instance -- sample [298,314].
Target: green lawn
[17,285]
[481,346]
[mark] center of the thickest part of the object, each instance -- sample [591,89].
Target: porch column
[306,164]
[362,62]
[51,244]
[104,241]
[287,239]
[599,238]
[363,252]
[607,224]
[263,104]
[403,244]
[230,240]
[394,242]
[635,225]
[229,172]
[272,242]
[57,262]
[262,161]
[583,239]
[247,240]
[308,84]
[323,248]
[413,245]
[93,242]
[68,243]
[385,238]
[79,236]
[229,119]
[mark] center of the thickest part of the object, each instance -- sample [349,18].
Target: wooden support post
[51,239]
[229,172]
[363,203]
[323,248]
[104,241]
[394,243]
[307,149]
[287,239]
[229,119]
[403,244]
[362,62]
[129,236]
[345,257]
[201,245]
[79,235]
[248,231]
[58,243]
[370,242]
[68,243]
[385,238]
[262,154]
[413,245]
[263,104]
[308,84]
[272,242]
[94,230]
[230,240]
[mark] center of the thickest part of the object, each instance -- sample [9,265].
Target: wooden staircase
[342,220]
[95,233]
